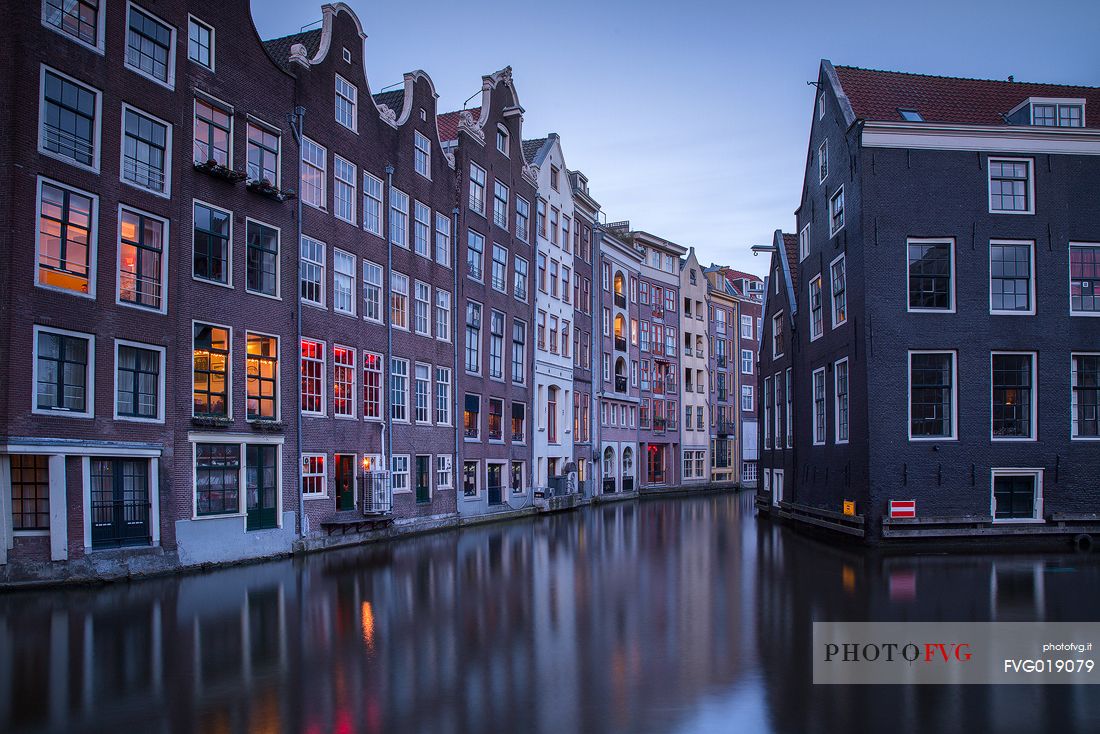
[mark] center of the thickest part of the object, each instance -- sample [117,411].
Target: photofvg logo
[953,653]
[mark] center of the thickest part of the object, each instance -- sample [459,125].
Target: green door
[260,477]
[345,482]
[423,479]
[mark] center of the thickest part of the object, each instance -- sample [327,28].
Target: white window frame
[89,374]
[1072,403]
[170,83]
[399,203]
[1033,418]
[1030,162]
[1037,504]
[442,303]
[97,138]
[1031,277]
[502,134]
[278,260]
[836,402]
[160,382]
[746,353]
[99,21]
[352,100]
[816,331]
[353,293]
[320,264]
[1069,276]
[93,234]
[355,396]
[323,494]
[324,376]
[804,243]
[379,202]
[441,240]
[164,254]
[168,152]
[422,155]
[954,395]
[309,145]
[429,395]
[422,226]
[396,277]
[443,417]
[777,318]
[819,440]
[443,468]
[746,321]
[389,386]
[748,395]
[351,185]
[383,385]
[950,241]
[838,194]
[382,302]
[823,161]
[832,293]
[229,245]
[191,19]
[419,288]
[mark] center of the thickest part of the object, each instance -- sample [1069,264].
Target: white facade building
[695,372]
[554,222]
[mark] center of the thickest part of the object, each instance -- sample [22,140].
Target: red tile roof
[790,244]
[877,95]
[448,123]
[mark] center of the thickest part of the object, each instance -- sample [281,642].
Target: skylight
[910,115]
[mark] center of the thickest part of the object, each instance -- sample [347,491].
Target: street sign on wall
[901,509]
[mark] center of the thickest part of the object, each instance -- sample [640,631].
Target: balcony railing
[687,351]
[699,352]
[659,424]
[721,361]
[609,485]
[620,383]
[143,174]
[620,300]
[620,343]
[723,395]
[66,144]
[725,427]
[628,484]
[470,432]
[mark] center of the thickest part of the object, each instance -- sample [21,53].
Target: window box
[264,187]
[217,170]
[210,422]
[265,425]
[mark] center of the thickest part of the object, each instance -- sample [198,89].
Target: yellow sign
[849,507]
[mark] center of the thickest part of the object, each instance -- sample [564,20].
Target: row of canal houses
[929,365]
[252,306]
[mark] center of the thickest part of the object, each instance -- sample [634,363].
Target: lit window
[1084,279]
[816,312]
[262,374]
[343,382]
[840,291]
[141,259]
[399,300]
[372,386]
[66,238]
[313,377]
[314,475]
[1013,395]
[210,371]
[399,389]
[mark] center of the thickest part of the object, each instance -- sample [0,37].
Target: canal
[683,615]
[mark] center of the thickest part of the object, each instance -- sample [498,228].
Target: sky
[691,118]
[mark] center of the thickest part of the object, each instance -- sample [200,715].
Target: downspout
[387,418]
[297,122]
[597,328]
[455,306]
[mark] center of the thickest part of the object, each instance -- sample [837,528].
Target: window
[70,120]
[500,205]
[477,188]
[1010,186]
[343,282]
[554,224]
[746,327]
[519,352]
[519,422]
[262,262]
[137,382]
[422,308]
[542,272]
[746,361]
[312,269]
[836,212]
[210,371]
[500,269]
[372,291]
[372,386]
[804,243]
[823,161]
[1085,396]
[217,479]
[790,427]
[30,492]
[213,133]
[519,287]
[263,155]
[66,238]
[496,419]
[372,204]
[145,145]
[473,337]
[399,300]
[931,275]
[200,43]
[496,345]
[442,240]
[523,218]
[343,189]
[399,389]
[262,377]
[554,278]
[422,155]
[422,394]
[313,377]
[777,335]
[78,18]
[314,165]
[314,475]
[343,382]
[443,471]
[1056,115]
[821,105]
[502,140]
[1017,494]
[910,115]
[1084,279]
[840,401]
[540,220]
[210,244]
[346,103]
[554,171]
[840,291]
[767,401]
[819,406]
[1010,277]
[931,395]
[475,249]
[149,46]
[443,396]
[442,315]
[470,479]
[64,372]
[471,416]
[399,218]
[566,246]
[746,398]
[816,314]
[1013,395]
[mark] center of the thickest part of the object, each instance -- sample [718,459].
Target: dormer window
[910,115]
[1048,112]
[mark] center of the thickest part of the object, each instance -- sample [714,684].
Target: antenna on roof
[1011,77]
[307,25]
[469,98]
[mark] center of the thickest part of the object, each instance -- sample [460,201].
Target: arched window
[620,375]
[620,329]
[552,414]
[628,462]
[620,290]
[609,462]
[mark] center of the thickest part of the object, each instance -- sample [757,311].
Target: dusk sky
[690,119]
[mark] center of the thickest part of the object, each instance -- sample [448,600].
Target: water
[683,615]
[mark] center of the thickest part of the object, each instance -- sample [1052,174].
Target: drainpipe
[455,306]
[597,328]
[297,121]
[387,418]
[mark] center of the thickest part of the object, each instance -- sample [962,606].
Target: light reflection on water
[660,616]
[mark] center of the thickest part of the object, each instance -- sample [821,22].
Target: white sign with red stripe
[903,508]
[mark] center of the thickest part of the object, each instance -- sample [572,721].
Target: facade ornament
[299,54]
[387,115]
[531,173]
[467,124]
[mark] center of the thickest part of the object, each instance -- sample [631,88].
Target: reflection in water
[659,616]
